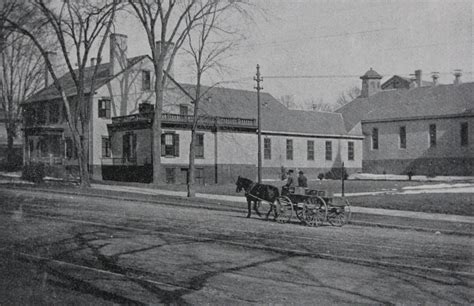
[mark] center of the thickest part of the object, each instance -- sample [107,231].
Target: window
[54,113]
[170,144]
[310,149]
[106,146]
[40,115]
[29,115]
[403,137]
[183,110]
[464,134]
[199,146]
[328,150]
[432,135]
[43,147]
[104,108]
[146,80]
[375,139]
[71,152]
[199,176]
[170,176]
[289,149]
[267,148]
[350,150]
[129,147]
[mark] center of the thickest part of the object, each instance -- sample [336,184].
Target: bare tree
[206,44]
[21,77]
[287,100]
[78,27]
[167,21]
[347,96]
[320,105]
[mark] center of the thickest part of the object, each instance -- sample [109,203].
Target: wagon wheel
[315,211]
[340,212]
[298,208]
[283,209]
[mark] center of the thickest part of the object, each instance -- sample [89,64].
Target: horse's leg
[249,204]
[255,207]
[270,210]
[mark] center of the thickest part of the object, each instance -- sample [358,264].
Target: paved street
[75,249]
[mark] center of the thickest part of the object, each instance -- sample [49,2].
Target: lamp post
[259,79]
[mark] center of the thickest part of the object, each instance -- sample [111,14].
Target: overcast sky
[336,41]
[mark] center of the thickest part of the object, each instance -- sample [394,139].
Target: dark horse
[255,193]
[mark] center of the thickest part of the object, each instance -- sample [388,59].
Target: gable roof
[223,102]
[227,102]
[405,80]
[433,101]
[102,78]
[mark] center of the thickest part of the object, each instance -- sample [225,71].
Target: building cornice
[416,118]
[308,135]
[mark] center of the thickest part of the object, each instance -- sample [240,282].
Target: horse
[255,192]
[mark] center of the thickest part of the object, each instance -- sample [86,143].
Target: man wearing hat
[302,180]
[290,181]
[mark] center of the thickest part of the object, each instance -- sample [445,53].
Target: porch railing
[177,118]
[118,161]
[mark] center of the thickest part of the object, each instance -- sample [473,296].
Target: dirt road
[62,248]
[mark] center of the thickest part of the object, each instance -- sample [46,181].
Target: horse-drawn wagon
[311,207]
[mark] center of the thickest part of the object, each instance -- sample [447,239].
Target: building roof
[371,74]
[103,76]
[226,102]
[433,101]
[405,80]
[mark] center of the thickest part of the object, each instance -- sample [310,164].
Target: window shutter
[107,109]
[134,146]
[176,144]
[163,145]
[125,146]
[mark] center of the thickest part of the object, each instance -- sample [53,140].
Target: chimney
[435,76]
[118,53]
[457,76]
[52,57]
[93,61]
[159,48]
[418,77]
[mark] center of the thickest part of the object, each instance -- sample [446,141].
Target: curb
[222,205]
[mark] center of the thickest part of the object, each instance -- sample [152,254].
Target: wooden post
[342,179]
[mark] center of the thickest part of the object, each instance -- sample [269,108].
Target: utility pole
[259,79]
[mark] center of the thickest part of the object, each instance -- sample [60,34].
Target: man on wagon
[290,183]
[302,180]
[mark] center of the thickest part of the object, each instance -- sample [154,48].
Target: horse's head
[239,184]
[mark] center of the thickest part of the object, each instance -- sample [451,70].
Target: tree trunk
[10,151]
[192,145]
[156,131]
[190,183]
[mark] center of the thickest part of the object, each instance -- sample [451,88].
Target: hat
[301,172]
[290,171]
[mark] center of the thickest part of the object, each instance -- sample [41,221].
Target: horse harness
[248,194]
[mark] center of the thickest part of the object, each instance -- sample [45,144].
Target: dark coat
[302,181]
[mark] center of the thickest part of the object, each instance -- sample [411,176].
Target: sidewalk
[241,199]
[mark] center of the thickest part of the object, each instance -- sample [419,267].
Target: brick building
[420,129]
